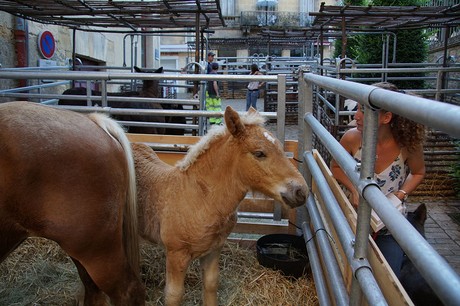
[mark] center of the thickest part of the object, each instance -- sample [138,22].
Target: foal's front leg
[177,263]
[210,270]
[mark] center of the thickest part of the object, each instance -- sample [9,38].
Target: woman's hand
[401,195]
[355,199]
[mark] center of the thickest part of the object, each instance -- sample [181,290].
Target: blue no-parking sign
[46,44]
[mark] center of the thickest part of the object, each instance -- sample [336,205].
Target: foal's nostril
[301,195]
[296,194]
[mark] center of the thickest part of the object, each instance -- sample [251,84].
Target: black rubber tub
[283,252]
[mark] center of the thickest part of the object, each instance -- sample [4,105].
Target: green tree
[352,43]
[411,46]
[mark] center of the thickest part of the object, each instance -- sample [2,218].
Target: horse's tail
[130,221]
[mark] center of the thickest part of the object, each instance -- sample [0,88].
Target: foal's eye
[259,154]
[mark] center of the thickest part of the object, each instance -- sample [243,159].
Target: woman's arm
[416,163]
[261,84]
[350,141]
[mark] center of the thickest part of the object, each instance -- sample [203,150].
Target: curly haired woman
[399,165]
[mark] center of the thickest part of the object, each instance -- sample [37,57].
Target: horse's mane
[250,118]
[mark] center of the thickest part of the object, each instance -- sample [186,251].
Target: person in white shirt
[253,88]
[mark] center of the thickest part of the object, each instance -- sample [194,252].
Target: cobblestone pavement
[441,231]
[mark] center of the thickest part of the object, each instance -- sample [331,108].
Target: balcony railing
[273,19]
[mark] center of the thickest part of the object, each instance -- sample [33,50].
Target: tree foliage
[411,45]
[352,44]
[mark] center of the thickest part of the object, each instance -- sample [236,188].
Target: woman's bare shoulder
[351,140]
[352,135]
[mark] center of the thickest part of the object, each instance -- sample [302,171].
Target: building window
[267,10]
[227,8]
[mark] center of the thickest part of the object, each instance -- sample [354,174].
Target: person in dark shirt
[210,60]
[213,101]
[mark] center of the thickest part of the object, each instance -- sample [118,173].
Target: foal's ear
[252,110]
[233,122]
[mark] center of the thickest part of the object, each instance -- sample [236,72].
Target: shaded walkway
[441,231]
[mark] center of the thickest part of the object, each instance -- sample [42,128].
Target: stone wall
[102,48]
[7,50]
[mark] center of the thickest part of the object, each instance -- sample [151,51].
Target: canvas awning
[385,18]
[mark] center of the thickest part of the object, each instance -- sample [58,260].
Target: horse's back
[148,164]
[57,169]
[76,91]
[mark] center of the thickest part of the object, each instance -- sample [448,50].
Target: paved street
[441,231]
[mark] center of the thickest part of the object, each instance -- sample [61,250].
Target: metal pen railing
[443,82]
[442,116]
[104,77]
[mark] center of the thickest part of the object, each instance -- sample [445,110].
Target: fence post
[104,93]
[364,210]
[281,115]
[305,102]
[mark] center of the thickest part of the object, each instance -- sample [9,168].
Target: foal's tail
[130,221]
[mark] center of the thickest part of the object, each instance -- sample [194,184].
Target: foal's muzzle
[295,195]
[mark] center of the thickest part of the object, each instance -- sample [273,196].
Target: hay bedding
[39,273]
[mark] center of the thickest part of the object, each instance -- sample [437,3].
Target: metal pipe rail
[99,98]
[346,236]
[39,68]
[160,125]
[398,70]
[438,115]
[155,112]
[32,87]
[440,89]
[332,268]
[106,76]
[406,65]
[315,264]
[442,116]
[326,102]
[255,215]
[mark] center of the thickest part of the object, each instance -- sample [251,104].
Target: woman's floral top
[392,178]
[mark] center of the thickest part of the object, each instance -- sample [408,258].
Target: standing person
[399,166]
[211,56]
[253,88]
[213,101]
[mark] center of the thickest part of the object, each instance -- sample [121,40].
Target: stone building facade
[19,47]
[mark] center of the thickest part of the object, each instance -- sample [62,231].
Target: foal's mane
[250,118]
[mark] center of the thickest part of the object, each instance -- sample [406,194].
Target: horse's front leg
[210,270]
[177,263]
